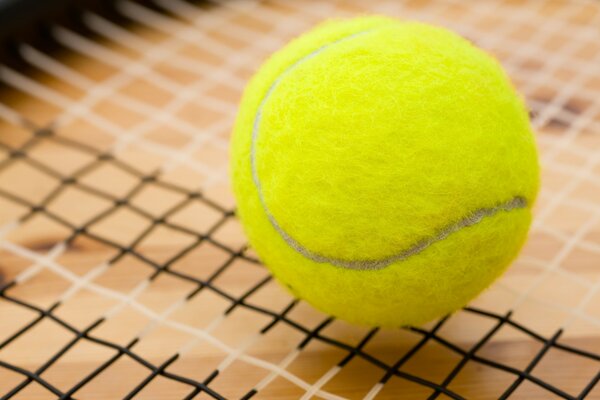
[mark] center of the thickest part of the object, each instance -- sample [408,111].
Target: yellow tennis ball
[384,171]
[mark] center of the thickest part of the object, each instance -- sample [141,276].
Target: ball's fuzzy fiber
[384,171]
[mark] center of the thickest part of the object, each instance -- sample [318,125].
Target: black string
[202,385]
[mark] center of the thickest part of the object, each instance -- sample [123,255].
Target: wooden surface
[162,99]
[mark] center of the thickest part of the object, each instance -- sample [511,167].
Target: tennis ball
[384,171]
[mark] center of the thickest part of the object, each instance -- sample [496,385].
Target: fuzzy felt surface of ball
[384,171]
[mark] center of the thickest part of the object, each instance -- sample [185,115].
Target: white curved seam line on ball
[473,218]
